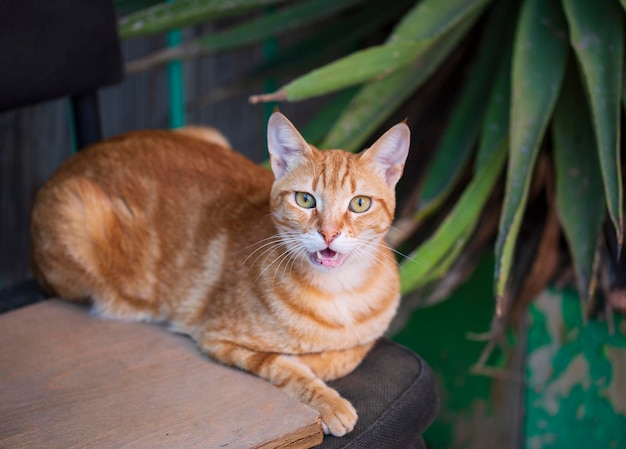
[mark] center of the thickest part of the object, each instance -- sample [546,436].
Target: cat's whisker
[288,259]
[385,245]
[365,254]
[285,257]
[269,246]
[277,236]
[275,241]
[279,257]
[252,245]
[295,258]
[294,254]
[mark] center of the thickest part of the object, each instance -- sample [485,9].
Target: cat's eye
[305,200]
[360,204]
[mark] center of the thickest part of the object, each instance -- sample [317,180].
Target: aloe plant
[545,82]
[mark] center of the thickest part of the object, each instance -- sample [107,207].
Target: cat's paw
[338,415]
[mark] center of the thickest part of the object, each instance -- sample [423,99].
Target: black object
[86,119]
[20,295]
[56,48]
[52,49]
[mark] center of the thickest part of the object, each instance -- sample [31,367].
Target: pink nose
[329,236]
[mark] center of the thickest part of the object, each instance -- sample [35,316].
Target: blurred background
[510,220]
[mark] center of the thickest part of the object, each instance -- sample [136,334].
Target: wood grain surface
[70,380]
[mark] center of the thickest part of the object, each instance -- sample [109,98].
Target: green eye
[305,200]
[360,204]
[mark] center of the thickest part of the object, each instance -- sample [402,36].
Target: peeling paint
[577,373]
[576,394]
[540,441]
[616,390]
[540,362]
[549,304]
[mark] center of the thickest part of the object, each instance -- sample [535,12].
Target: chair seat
[395,394]
[62,369]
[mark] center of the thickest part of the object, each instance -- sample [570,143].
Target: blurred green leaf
[128,6]
[539,56]
[364,65]
[251,32]
[378,61]
[579,189]
[495,124]
[274,23]
[335,38]
[182,13]
[337,35]
[423,266]
[315,130]
[378,99]
[429,19]
[597,35]
[461,133]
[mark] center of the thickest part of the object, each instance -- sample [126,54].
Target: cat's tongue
[328,258]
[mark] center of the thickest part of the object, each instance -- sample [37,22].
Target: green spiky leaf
[579,190]
[539,57]
[597,35]
[463,128]
[424,264]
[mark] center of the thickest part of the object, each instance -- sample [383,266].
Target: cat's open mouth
[327,257]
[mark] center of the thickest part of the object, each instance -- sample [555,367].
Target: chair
[59,48]
[70,48]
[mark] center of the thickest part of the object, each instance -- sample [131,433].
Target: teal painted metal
[269,50]
[176,84]
[576,377]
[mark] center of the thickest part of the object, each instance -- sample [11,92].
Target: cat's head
[333,207]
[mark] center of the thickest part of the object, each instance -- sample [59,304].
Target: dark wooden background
[34,140]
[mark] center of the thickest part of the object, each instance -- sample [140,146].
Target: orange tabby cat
[285,276]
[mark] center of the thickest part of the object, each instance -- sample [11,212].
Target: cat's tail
[68,224]
[205,133]
[92,243]
[75,229]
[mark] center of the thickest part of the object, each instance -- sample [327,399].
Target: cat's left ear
[388,154]
[286,145]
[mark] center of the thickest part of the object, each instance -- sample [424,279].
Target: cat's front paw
[338,415]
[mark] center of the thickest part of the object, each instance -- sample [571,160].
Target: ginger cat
[284,276]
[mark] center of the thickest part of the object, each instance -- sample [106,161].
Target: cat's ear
[286,146]
[388,154]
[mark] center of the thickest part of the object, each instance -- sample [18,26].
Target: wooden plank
[70,380]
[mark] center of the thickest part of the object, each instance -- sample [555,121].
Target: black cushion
[394,393]
[53,48]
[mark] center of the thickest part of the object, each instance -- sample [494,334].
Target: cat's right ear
[388,154]
[286,145]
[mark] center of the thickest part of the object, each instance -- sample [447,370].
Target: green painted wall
[439,335]
[576,395]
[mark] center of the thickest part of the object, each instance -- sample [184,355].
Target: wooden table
[70,380]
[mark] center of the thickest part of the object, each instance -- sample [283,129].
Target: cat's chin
[327,258]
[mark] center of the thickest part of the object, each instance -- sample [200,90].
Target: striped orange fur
[285,276]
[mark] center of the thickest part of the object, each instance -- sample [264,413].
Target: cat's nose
[329,235]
